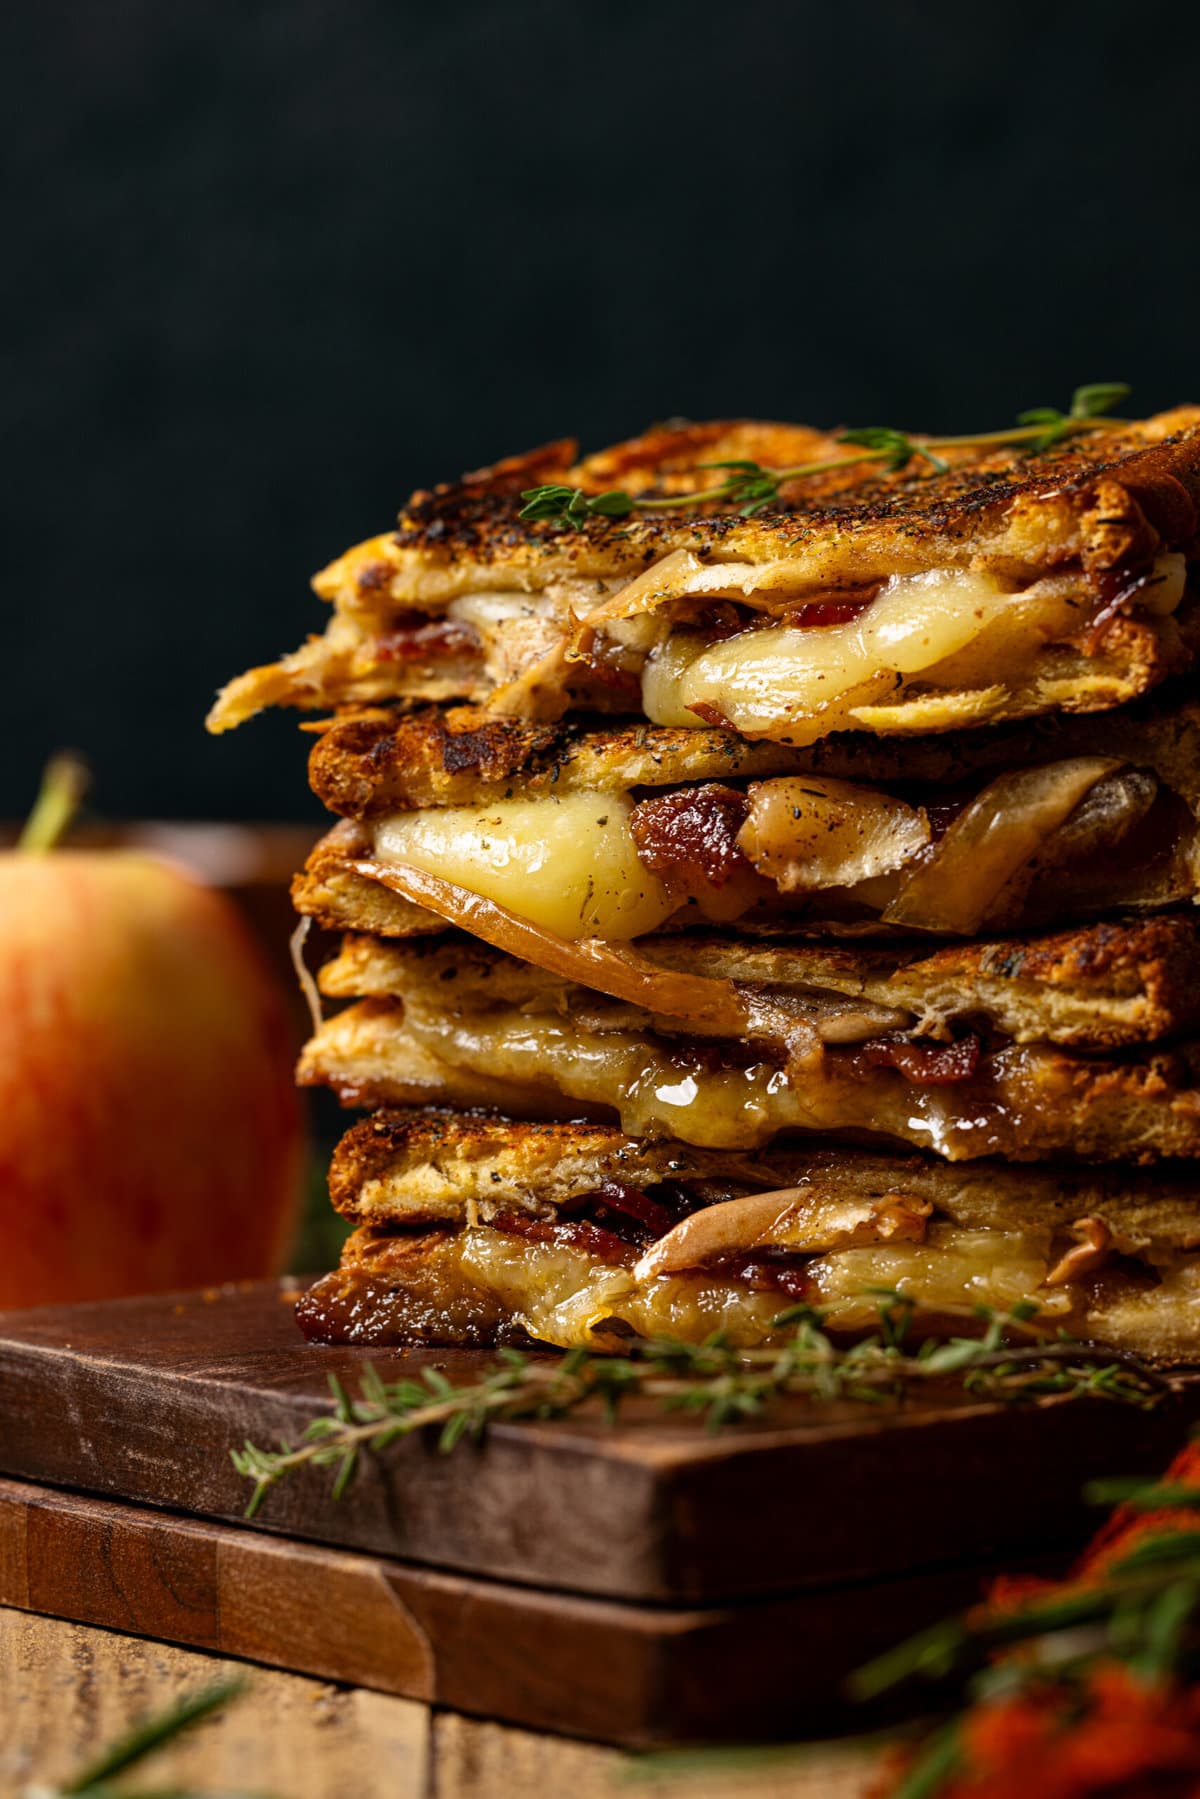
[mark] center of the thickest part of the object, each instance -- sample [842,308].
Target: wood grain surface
[142,1399]
[635,1675]
[67,1691]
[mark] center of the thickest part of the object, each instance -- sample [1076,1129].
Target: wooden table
[67,1691]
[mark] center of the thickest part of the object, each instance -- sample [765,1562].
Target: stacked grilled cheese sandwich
[731,911]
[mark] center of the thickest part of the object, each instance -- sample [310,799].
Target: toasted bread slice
[410,1168]
[1018,584]
[1104,986]
[371,762]
[331,890]
[375,761]
[440,1167]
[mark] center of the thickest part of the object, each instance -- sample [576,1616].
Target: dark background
[267,267]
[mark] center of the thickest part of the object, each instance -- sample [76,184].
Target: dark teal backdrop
[270,265]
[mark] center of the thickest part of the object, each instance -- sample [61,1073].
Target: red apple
[150,1134]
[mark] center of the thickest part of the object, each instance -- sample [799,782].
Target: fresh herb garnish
[714,1381]
[1115,1646]
[95,1782]
[571,507]
[749,487]
[1088,405]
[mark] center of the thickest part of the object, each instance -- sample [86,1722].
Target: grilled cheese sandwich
[1009,1049]
[476,1231]
[613,833]
[1008,585]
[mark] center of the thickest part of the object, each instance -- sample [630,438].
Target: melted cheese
[805,680]
[951,1269]
[660,1090]
[559,1295]
[484,612]
[569,864]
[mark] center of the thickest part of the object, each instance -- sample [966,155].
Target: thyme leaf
[715,1382]
[1087,404]
[749,487]
[895,447]
[570,507]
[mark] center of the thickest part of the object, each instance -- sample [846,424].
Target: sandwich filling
[710,1247]
[610,835]
[1022,847]
[1016,1049]
[961,1099]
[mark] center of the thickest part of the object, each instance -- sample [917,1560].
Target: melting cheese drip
[665,1090]
[809,679]
[569,864]
[562,1296]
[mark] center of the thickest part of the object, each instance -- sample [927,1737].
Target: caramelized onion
[1093,1246]
[677,574]
[806,832]
[806,1220]
[799,1018]
[1112,809]
[712,1005]
[570,1233]
[763,1271]
[623,1196]
[308,986]
[924,1064]
[990,840]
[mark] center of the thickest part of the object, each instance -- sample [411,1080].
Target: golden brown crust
[422,1167]
[1100,492]
[376,761]
[437,1167]
[1095,506]
[1101,986]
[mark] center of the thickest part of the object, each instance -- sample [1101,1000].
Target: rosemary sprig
[1143,1613]
[714,1381]
[96,1780]
[1128,1612]
[1142,1495]
[749,487]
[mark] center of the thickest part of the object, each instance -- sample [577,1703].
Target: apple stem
[64,783]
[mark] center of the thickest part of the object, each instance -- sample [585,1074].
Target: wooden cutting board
[639,1583]
[142,1400]
[569,1663]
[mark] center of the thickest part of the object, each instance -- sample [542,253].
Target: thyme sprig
[749,487]
[714,1381]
